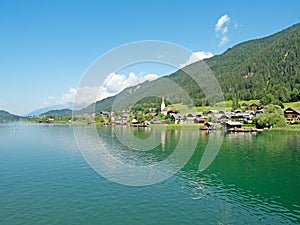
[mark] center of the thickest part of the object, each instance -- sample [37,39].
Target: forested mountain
[6,116]
[58,113]
[103,105]
[68,105]
[260,67]
[267,69]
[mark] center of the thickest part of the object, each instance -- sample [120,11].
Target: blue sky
[46,46]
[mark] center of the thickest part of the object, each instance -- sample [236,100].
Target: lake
[46,179]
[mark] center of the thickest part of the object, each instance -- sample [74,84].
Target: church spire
[162,104]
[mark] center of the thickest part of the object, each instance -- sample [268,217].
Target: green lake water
[45,179]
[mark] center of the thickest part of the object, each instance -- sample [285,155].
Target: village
[235,120]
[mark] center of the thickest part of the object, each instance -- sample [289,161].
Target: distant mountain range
[58,113]
[7,117]
[44,110]
[55,111]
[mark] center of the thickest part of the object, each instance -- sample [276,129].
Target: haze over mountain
[58,113]
[7,117]
[44,110]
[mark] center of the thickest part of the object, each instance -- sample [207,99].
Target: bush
[272,117]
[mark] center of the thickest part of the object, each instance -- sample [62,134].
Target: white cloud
[68,97]
[46,102]
[224,39]
[49,100]
[83,95]
[150,77]
[197,56]
[221,28]
[89,94]
[223,20]
[113,84]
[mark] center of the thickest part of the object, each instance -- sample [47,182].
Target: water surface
[255,179]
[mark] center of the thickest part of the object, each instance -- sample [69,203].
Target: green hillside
[103,105]
[267,69]
[292,105]
[58,113]
[256,68]
[7,117]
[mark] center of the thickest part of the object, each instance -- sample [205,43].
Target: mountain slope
[58,113]
[256,68]
[267,65]
[68,105]
[263,68]
[6,116]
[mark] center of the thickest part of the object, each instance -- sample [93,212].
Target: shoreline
[173,126]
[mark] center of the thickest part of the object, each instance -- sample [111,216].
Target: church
[163,108]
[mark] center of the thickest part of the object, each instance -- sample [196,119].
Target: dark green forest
[261,69]
[267,69]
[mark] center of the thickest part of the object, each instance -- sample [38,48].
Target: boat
[207,128]
[139,125]
[245,130]
[134,123]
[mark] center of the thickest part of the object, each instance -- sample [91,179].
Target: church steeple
[162,104]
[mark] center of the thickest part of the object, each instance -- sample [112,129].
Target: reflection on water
[254,178]
[126,159]
[252,170]
[258,171]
